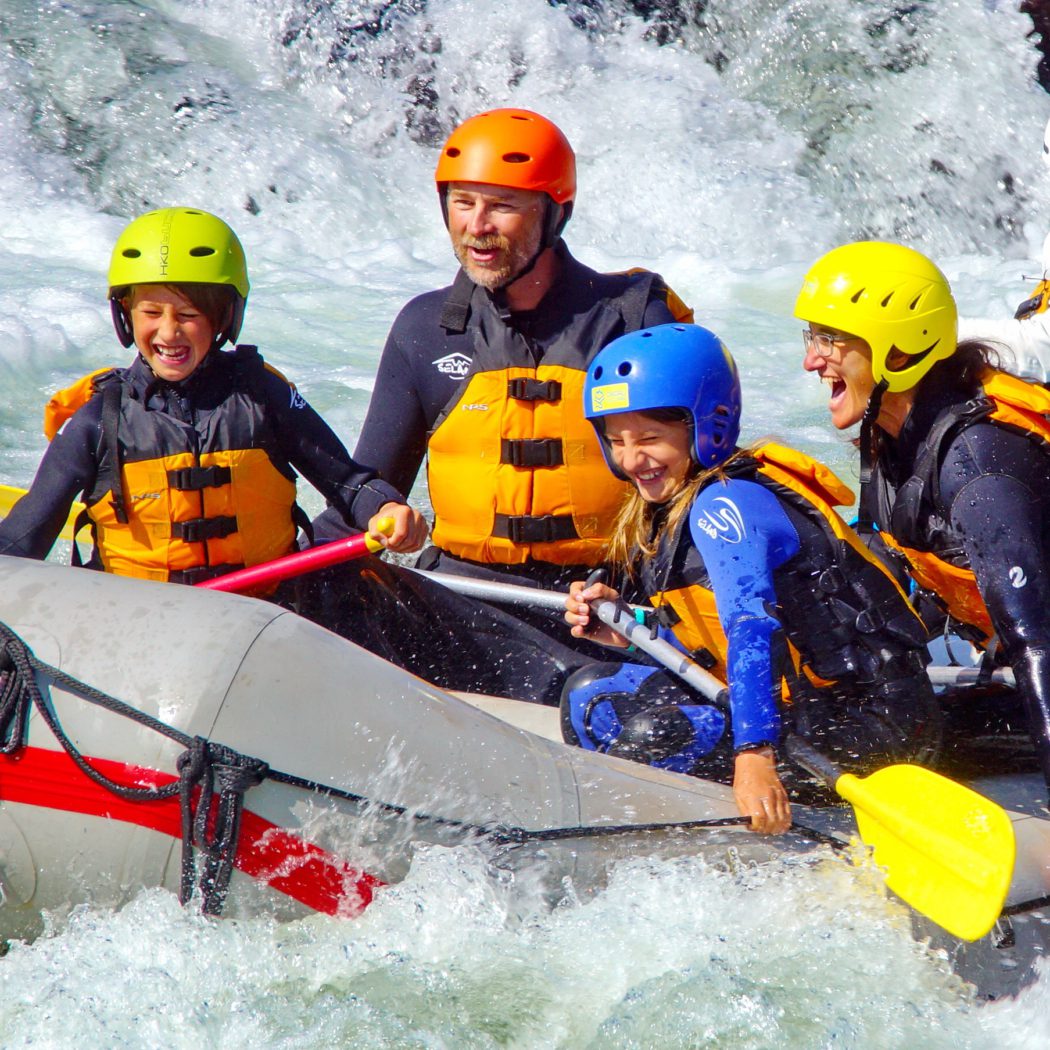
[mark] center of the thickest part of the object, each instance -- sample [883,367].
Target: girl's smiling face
[655,455]
[171,333]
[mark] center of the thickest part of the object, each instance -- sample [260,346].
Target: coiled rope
[213,778]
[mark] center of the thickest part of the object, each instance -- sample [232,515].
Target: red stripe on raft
[305,872]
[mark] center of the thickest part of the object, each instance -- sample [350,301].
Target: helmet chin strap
[865,519]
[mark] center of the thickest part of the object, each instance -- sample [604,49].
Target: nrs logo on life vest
[610,398]
[456,365]
[726,523]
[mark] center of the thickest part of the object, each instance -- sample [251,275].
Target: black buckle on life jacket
[666,616]
[201,573]
[705,658]
[524,389]
[870,620]
[190,479]
[523,528]
[831,580]
[542,452]
[196,530]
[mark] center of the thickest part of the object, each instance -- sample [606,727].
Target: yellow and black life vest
[1005,400]
[831,610]
[514,469]
[184,501]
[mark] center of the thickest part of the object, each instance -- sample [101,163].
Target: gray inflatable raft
[342,761]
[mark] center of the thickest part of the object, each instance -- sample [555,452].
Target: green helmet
[892,297]
[178,246]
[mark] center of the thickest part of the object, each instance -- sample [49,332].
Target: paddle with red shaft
[299,563]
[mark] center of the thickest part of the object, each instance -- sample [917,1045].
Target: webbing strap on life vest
[456,309]
[524,528]
[865,510]
[110,475]
[196,530]
[540,452]
[523,388]
[192,577]
[925,477]
[192,479]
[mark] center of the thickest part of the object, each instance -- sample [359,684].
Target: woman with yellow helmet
[955,453]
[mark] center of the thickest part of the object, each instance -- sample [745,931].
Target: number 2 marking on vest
[1017,577]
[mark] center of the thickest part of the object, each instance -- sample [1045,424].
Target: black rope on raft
[220,776]
[199,766]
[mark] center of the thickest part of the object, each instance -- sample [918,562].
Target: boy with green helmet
[186,459]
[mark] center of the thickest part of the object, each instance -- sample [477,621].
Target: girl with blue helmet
[749,569]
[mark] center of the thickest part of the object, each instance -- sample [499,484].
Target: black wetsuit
[302,440]
[991,515]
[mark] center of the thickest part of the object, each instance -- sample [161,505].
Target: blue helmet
[669,366]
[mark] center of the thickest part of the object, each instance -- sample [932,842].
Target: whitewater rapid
[761,134]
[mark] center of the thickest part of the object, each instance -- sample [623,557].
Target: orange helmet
[510,147]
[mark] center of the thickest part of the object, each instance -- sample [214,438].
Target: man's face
[496,231]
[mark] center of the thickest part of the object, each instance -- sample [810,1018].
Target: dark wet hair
[962,371]
[215,301]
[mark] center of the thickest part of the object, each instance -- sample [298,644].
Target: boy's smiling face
[172,334]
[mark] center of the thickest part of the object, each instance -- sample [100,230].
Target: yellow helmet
[892,297]
[178,246]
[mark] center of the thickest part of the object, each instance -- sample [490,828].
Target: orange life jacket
[514,469]
[1007,401]
[171,501]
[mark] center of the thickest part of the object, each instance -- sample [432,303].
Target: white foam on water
[671,953]
[762,135]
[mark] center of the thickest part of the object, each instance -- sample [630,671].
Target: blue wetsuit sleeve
[743,534]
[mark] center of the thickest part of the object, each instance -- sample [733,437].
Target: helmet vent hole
[623,368]
[599,372]
[855,298]
[915,302]
[516,158]
[886,301]
[131,253]
[202,251]
[452,151]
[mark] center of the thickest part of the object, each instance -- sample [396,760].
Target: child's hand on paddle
[409,531]
[581,618]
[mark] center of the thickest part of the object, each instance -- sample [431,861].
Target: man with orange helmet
[485,377]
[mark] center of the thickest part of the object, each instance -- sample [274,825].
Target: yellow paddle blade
[947,851]
[9,496]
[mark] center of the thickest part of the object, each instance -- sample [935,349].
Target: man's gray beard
[491,280]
